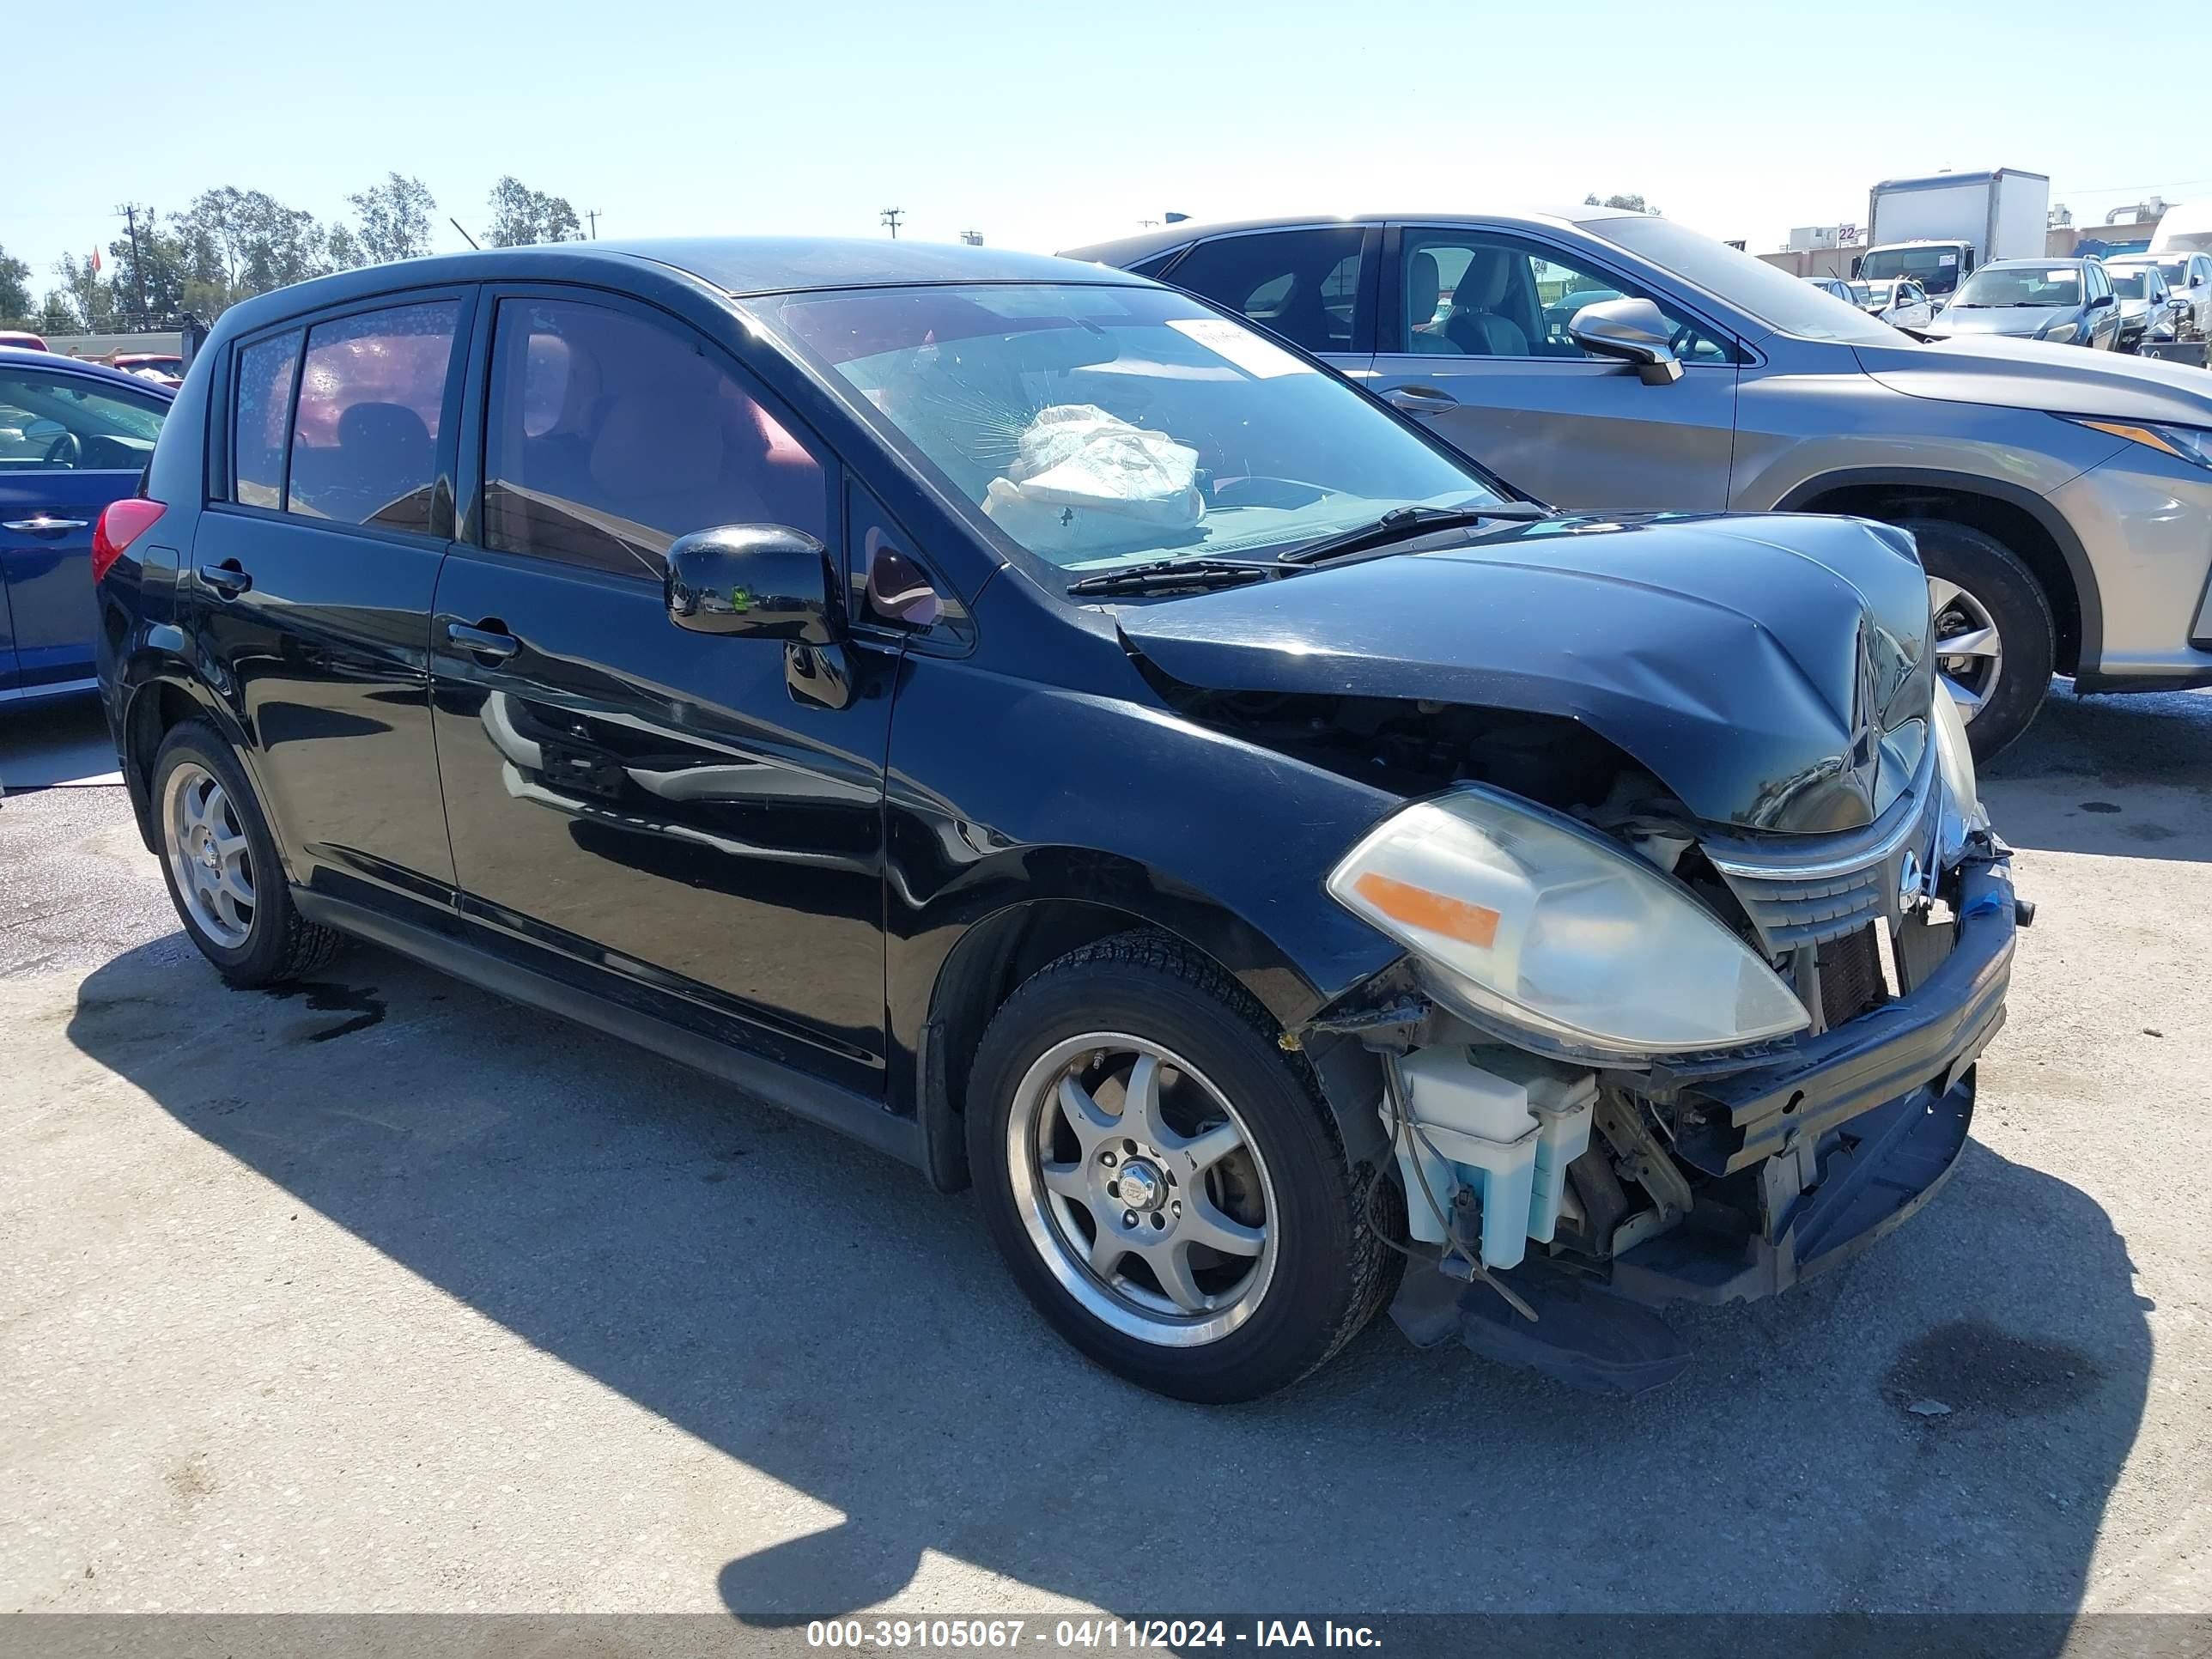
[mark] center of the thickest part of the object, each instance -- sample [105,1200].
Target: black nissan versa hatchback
[1025,718]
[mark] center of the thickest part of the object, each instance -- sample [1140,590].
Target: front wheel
[1994,639]
[1165,1183]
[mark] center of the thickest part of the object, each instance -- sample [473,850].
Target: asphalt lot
[387,1295]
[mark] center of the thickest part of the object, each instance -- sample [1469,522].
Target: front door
[671,806]
[1474,344]
[69,444]
[312,584]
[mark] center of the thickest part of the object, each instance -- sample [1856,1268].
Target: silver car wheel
[1968,651]
[208,855]
[1141,1190]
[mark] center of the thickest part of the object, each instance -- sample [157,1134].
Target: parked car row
[2119,305]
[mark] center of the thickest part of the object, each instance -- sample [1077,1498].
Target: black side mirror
[1633,330]
[766,579]
[2101,302]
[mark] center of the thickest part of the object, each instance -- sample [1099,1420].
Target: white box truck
[1936,229]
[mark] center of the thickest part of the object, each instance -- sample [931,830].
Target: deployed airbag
[1084,482]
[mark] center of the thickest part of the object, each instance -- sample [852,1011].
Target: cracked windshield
[1097,427]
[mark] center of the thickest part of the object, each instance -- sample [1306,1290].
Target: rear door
[671,806]
[313,577]
[69,444]
[1316,287]
[1473,341]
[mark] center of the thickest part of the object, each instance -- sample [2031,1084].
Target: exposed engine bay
[1543,1187]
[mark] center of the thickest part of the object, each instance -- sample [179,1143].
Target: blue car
[73,437]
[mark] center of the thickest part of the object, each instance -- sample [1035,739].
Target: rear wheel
[1994,639]
[1165,1182]
[221,867]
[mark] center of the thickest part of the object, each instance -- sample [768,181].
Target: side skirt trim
[856,1116]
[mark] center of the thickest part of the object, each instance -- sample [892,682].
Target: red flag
[95,261]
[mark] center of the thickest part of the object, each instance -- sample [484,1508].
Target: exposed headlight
[2192,443]
[2060,333]
[1517,914]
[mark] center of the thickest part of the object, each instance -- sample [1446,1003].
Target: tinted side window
[262,407]
[608,436]
[1302,284]
[365,438]
[73,420]
[1466,294]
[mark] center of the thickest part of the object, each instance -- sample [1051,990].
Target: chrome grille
[1810,889]
[1810,910]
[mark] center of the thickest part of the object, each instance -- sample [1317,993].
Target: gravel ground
[387,1295]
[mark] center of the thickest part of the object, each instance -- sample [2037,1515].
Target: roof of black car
[735,265]
[769,264]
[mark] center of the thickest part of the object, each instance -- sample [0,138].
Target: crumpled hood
[1770,671]
[2064,379]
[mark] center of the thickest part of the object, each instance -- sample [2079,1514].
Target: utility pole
[592,213]
[137,263]
[892,216]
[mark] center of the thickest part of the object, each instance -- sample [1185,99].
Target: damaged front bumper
[1845,1134]
[1855,1128]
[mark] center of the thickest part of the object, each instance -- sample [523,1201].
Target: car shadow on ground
[1937,1426]
[2122,777]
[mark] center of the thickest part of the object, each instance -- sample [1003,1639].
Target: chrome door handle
[45,525]
[1420,399]
[482,641]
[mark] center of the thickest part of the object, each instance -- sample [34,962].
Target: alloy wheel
[209,857]
[1141,1190]
[1968,651]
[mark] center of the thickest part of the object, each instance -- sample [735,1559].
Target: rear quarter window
[261,410]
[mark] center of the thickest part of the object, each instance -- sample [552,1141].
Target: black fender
[157,668]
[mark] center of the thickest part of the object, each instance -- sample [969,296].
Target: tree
[151,272]
[521,217]
[83,304]
[14,290]
[395,219]
[236,243]
[1626,203]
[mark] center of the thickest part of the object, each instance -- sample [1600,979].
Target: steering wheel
[67,450]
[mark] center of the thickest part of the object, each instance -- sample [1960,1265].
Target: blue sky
[1046,123]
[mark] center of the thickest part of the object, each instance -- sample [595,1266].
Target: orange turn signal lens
[2142,434]
[1433,913]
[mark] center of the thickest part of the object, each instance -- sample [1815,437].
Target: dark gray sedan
[2058,301]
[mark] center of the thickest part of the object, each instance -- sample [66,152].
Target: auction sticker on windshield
[1247,350]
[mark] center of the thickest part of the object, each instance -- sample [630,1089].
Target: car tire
[1307,1271]
[1974,581]
[221,867]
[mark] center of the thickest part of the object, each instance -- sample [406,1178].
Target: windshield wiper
[1403,523]
[1166,575]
